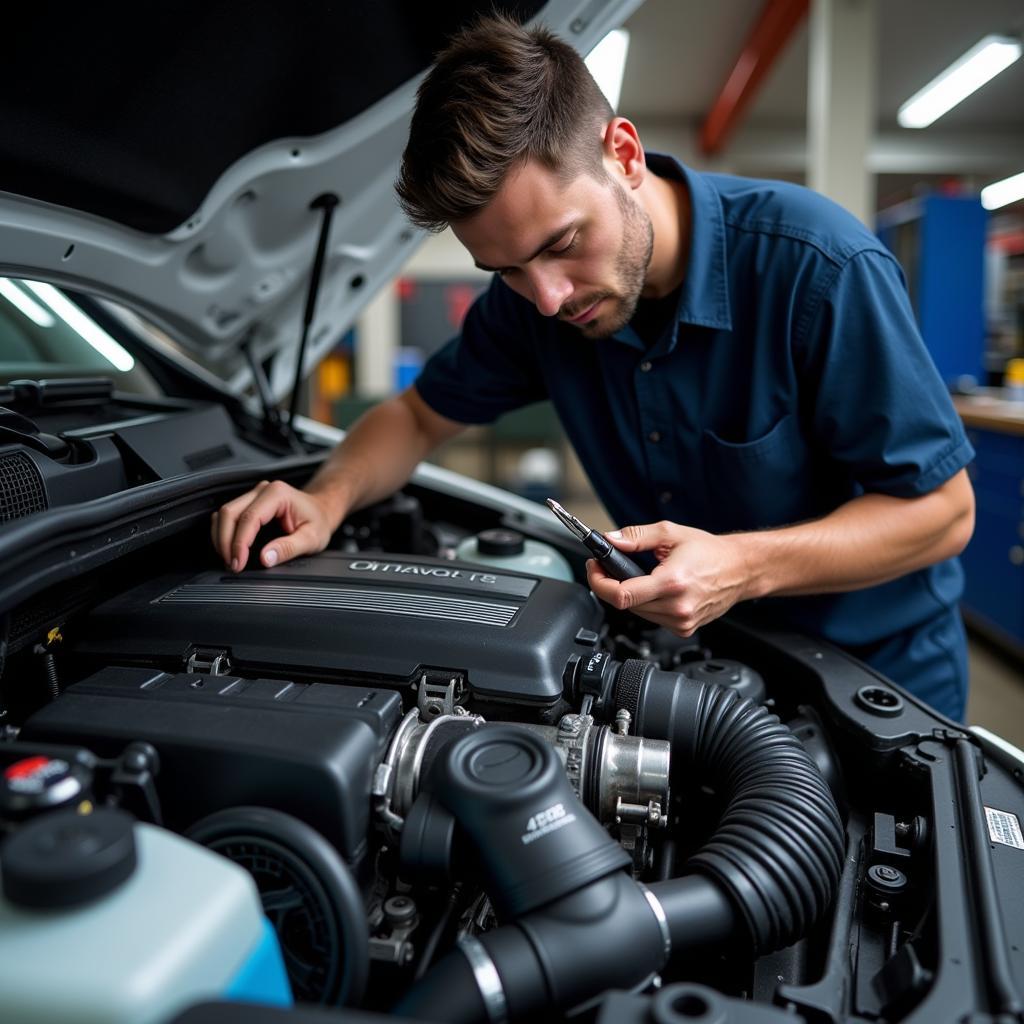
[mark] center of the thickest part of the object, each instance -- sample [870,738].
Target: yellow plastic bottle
[1014,380]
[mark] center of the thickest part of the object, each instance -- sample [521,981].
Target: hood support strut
[326,202]
[272,421]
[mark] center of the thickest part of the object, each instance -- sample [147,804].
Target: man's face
[578,251]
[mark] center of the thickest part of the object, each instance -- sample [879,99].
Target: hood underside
[173,168]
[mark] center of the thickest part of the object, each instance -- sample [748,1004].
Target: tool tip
[567,519]
[557,509]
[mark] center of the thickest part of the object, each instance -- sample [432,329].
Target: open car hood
[176,169]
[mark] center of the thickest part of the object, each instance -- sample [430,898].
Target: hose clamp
[662,918]
[487,978]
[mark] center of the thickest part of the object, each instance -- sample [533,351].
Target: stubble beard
[631,263]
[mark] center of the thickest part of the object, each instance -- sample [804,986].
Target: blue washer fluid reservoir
[509,549]
[107,919]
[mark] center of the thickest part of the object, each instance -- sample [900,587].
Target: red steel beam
[768,38]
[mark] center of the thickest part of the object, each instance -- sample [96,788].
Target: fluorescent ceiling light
[78,321]
[999,193]
[16,297]
[978,65]
[607,63]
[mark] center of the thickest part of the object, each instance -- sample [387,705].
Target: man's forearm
[869,540]
[378,454]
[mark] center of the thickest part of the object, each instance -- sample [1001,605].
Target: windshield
[45,335]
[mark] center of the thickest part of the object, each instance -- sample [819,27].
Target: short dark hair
[497,96]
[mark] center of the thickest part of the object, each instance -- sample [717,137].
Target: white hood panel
[239,267]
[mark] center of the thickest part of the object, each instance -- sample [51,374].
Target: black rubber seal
[627,686]
[306,887]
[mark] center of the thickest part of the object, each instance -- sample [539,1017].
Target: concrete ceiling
[681,51]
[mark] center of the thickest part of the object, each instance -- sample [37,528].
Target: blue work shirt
[792,379]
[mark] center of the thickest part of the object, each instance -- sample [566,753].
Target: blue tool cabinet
[940,243]
[994,559]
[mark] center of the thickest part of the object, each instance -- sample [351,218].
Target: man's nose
[550,291]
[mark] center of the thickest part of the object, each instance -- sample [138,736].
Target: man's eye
[568,247]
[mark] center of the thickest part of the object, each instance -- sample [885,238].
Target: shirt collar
[704,298]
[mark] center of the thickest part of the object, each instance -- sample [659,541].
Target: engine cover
[224,741]
[374,617]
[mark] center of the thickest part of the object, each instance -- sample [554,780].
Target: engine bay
[469,792]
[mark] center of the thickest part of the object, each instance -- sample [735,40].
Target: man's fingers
[234,507]
[627,594]
[235,526]
[662,611]
[630,593]
[226,521]
[670,622]
[644,536]
[221,532]
[271,503]
[222,526]
[671,612]
[249,523]
[303,541]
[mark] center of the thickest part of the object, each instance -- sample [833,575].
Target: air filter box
[309,749]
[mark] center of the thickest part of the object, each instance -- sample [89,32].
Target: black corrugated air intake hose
[779,846]
[580,924]
[767,874]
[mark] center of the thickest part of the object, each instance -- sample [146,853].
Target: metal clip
[649,814]
[208,661]
[381,792]
[436,699]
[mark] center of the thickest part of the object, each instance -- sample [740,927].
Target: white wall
[377,330]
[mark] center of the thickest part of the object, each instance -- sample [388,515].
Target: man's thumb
[304,541]
[622,539]
[634,538]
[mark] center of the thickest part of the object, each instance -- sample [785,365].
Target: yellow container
[1013,378]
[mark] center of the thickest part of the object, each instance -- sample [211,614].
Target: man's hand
[376,457]
[304,517]
[871,539]
[699,577]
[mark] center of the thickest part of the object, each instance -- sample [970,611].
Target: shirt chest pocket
[760,483]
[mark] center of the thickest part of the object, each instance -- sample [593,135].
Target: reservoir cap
[40,783]
[64,858]
[500,542]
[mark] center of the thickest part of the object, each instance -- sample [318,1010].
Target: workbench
[994,560]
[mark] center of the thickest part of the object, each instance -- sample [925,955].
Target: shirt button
[654,436]
[665,497]
[645,366]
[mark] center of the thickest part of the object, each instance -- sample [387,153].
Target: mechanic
[735,362]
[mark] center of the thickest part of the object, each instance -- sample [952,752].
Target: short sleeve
[875,398]
[491,367]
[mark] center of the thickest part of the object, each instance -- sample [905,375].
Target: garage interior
[371,737]
[810,93]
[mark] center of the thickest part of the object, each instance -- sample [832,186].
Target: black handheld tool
[613,561]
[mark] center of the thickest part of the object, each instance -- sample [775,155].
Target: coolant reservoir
[107,919]
[509,549]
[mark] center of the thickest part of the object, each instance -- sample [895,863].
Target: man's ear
[623,151]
